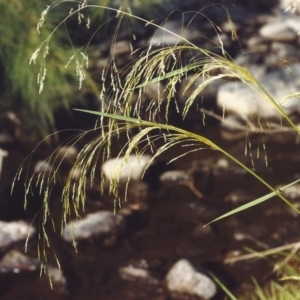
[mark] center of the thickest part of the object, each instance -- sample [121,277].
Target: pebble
[43,166]
[176,176]
[16,262]
[292,192]
[139,269]
[11,232]
[238,196]
[278,31]
[103,224]
[67,155]
[121,169]
[184,278]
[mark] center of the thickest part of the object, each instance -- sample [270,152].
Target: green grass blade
[254,202]
[223,287]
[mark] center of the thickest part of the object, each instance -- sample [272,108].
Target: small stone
[11,232]
[287,52]
[278,31]
[43,166]
[240,100]
[175,176]
[138,270]
[257,43]
[15,262]
[67,155]
[222,163]
[103,224]
[185,279]
[238,196]
[292,192]
[121,169]
[58,279]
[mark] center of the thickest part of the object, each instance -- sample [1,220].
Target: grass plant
[144,123]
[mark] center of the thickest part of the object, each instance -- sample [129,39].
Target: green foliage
[19,36]
[19,88]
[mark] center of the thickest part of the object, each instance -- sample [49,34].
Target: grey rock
[278,31]
[185,279]
[16,262]
[58,279]
[253,62]
[292,6]
[293,22]
[257,43]
[104,224]
[287,52]
[11,232]
[138,270]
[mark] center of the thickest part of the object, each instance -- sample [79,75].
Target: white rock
[67,155]
[3,153]
[11,232]
[292,192]
[238,99]
[290,5]
[175,176]
[101,224]
[138,271]
[121,169]
[184,278]
[278,31]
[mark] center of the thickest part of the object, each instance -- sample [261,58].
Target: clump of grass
[286,278]
[19,36]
